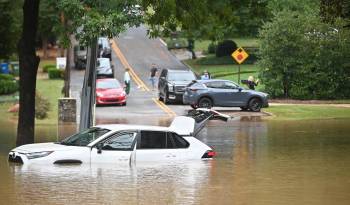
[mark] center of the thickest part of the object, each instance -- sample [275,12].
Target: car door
[155,146]
[219,93]
[235,96]
[115,149]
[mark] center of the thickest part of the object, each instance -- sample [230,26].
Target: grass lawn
[227,72]
[307,112]
[50,89]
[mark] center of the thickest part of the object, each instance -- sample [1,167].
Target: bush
[6,77]
[46,68]
[212,48]
[225,48]
[56,73]
[8,84]
[42,106]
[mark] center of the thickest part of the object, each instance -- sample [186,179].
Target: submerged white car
[119,143]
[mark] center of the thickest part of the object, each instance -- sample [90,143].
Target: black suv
[172,83]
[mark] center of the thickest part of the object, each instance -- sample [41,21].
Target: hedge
[46,68]
[55,73]
[8,86]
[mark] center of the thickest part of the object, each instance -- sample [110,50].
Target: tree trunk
[28,63]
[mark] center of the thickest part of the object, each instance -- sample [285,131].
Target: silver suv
[223,93]
[172,83]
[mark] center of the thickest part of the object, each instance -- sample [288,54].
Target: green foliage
[8,84]
[6,77]
[206,19]
[225,48]
[10,29]
[46,68]
[212,47]
[90,19]
[176,43]
[42,106]
[55,73]
[305,58]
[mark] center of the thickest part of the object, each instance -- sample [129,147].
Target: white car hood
[40,147]
[183,125]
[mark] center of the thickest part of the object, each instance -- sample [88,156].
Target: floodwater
[258,162]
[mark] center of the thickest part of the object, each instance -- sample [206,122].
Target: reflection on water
[258,162]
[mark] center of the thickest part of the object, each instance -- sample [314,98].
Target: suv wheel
[165,98]
[205,103]
[255,104]
[160,97]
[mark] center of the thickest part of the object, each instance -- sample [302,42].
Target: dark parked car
[80,57]
[104,48]
[104,68]
[172,83]
[223,93]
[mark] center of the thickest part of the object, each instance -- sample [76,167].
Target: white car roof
[117,127]
[181,125]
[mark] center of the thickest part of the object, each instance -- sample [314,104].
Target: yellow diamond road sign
[240,55]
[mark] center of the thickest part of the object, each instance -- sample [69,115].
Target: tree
[303,57]
[28,62]
[10,29]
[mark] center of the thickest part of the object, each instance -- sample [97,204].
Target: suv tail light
[209,154]
[193,89]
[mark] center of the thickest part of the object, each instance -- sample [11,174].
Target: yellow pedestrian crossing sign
[240,55]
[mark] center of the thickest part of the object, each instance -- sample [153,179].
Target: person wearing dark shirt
[153,75]
[252,83]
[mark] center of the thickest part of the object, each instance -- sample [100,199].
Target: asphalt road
[135,50]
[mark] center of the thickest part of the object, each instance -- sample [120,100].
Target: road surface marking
[125,63]
[165,108]
[138,81]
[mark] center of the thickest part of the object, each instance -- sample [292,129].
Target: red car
[109,91]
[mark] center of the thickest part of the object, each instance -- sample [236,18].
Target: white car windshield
[85,137]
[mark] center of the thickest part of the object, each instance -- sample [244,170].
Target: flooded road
[258,162]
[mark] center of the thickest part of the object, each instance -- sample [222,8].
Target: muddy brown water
[258,162]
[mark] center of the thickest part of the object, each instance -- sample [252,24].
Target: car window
[105,84]
[120,141]
[152,140]
[85,137]
[215,84]
[177,141]
[230,85]
[181,76]
[103,62]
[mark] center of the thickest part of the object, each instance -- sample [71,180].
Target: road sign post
[239,55]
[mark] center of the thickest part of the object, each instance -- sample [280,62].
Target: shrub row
[8,84]
[56,73]
[46,68]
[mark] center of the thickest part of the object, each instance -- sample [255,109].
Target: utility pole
[87,108]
